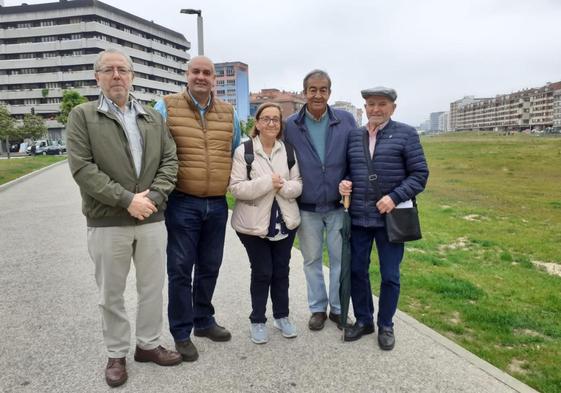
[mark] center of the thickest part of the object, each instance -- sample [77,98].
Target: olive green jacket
[101,163]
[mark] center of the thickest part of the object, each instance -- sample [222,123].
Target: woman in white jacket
[266,217]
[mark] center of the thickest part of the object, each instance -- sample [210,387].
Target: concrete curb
[29,175]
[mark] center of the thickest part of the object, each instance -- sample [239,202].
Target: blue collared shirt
[161,107]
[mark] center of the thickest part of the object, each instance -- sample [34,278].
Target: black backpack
[248,155]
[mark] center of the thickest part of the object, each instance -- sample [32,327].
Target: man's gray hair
[99,58]
[317,74]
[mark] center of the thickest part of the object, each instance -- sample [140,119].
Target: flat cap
[379,91]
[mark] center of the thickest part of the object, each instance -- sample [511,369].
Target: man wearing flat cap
[387,169]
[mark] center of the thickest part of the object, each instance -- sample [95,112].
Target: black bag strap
[372,177]
[289,155]
[249,156]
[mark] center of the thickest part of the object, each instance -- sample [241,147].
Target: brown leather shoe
[116,372]
[317,321]
[337,319]
[159,355]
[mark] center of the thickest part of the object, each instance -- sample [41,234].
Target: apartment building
[50,47]
[290,102]
[353,110]
[232,85]
[528,109]
[557,110]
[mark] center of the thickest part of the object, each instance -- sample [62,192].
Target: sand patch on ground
[460,243]
[416,250]
[517,366]
[474,217]
[551,268]
[528,332]
[455,319]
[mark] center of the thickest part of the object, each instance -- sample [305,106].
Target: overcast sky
[432,51]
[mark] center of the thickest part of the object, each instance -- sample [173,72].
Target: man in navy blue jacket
[319,136]
[400,170]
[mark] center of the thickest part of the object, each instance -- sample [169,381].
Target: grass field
[492,206]
[16,167]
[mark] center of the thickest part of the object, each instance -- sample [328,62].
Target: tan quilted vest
[204,146]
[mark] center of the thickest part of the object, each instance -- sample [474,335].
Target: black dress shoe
[356,331]
[187,350]
[215,333]
[386,338]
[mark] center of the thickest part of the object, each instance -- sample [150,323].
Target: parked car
[55,150]
[40,148]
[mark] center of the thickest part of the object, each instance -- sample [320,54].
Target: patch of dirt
[474,217]
[517,366]
[455,319]
[416,250]
[551,268]
[528,332]
[460,243]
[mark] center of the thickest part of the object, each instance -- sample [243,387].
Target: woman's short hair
[254,130]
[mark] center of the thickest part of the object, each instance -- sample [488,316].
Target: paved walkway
[51,335]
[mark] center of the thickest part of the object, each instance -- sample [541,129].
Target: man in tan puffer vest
[206,132]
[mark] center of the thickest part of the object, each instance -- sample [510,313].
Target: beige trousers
[111,250]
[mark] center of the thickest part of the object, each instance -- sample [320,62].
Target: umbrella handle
[346,201]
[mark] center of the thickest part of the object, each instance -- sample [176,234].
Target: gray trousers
[111,250]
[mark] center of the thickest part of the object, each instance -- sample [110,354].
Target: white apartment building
[347,106]
[50,47]
[528,109]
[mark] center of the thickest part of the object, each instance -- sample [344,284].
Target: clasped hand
[141,206]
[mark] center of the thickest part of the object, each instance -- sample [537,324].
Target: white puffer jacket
[254,198]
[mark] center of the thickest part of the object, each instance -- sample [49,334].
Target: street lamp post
[199,14]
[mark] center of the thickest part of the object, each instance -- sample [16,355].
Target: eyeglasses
[122,71]
[267,120]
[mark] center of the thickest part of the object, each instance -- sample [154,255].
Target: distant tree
[33,127]
[45,92]
[152,103]
[246,126]
[70,99]
[8,129]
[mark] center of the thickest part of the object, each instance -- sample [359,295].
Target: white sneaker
[286,327]
[258,333]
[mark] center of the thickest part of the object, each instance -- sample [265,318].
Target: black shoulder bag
[402,225]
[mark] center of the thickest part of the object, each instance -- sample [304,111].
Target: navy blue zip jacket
[399,164]
[320,191]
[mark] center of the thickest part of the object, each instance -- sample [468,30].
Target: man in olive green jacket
[124,160]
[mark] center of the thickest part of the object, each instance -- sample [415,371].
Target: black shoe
[215,333]
[337,319]
[317,321]
[356,331]
[187,350]
[386,339]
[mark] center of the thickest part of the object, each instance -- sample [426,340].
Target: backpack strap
[248,155]
[289,155]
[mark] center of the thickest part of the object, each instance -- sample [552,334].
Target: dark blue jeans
[269,271]
[196,229]
[390,256]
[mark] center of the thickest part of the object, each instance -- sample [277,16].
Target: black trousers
[269,271]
